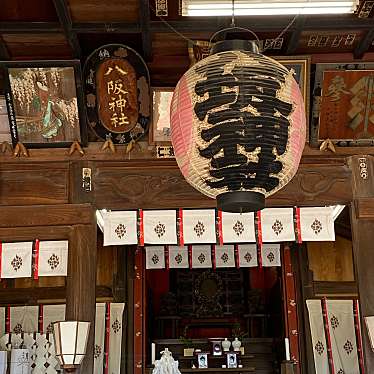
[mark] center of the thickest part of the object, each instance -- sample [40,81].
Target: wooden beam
[4,53]
[112,27]
[81,283]
[190,25]
[295,37]
[41,215]
[364,44]
[364,208]
[29,27]
[363,238]
[145,19]
[64,16]
[41,295]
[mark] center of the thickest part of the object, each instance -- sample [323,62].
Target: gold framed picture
[300,66]
[160,129]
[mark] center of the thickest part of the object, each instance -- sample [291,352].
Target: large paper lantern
[238,126]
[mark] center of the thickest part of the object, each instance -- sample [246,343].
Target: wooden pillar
[81,283]
[362,220]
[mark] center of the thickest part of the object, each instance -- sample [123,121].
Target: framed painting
[300,66]
[160,132]
[343,107]
[45,103]
[4,122]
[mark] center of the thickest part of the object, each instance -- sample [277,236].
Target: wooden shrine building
[65,177]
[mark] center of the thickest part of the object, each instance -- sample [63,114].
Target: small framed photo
[161,99]
[45,103]
[232,361]
[202,360]
[300,67]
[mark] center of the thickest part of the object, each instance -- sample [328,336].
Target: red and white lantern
[238,126]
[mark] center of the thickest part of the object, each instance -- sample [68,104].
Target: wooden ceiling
[66,29]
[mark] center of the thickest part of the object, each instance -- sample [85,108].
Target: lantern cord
[233,13]
[226,29]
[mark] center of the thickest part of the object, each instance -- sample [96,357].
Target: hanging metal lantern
[238,126]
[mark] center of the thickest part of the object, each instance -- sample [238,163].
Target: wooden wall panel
[155,184]
[14,217]
[33,184]
[104,11]
[31,46]
[331,261]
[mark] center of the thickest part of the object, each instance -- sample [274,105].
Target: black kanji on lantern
[245,113]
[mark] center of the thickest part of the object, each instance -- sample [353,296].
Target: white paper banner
[20,361]
[3,362]
[120,228]
[115,337]
[99,338]
[317,224]
[225,256]
[155,257]
[270,255]
[321,363]
[178,257]
[24,319]
[53,258]
[343,336]
[277,225]
[199,226]
[51,314]
[201,256]
[16,260]
[238,228]
[2,321]
[160,226]
[247,255]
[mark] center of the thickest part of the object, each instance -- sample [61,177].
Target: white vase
[226,344]
[236,344]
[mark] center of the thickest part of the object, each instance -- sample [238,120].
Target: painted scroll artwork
[4,122]
[44,101]
[347,105]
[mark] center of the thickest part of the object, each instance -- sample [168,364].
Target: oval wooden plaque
[117,94]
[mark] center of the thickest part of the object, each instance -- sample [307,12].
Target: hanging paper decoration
[270,255]
[53,258]
[224,256]
[16,260]
[343,335]
[277,225]
[199,226]
[51,314]
[24,319]
[115,337]
[247,255]
[117,93]
[178,257]
[238,126]
[99,338]
[120,228]
[317,224]
[155,257]
[318,336]
[20,361]
[160,226]
[238,228]
[201,256]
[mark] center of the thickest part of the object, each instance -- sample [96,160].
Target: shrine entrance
[189,308]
